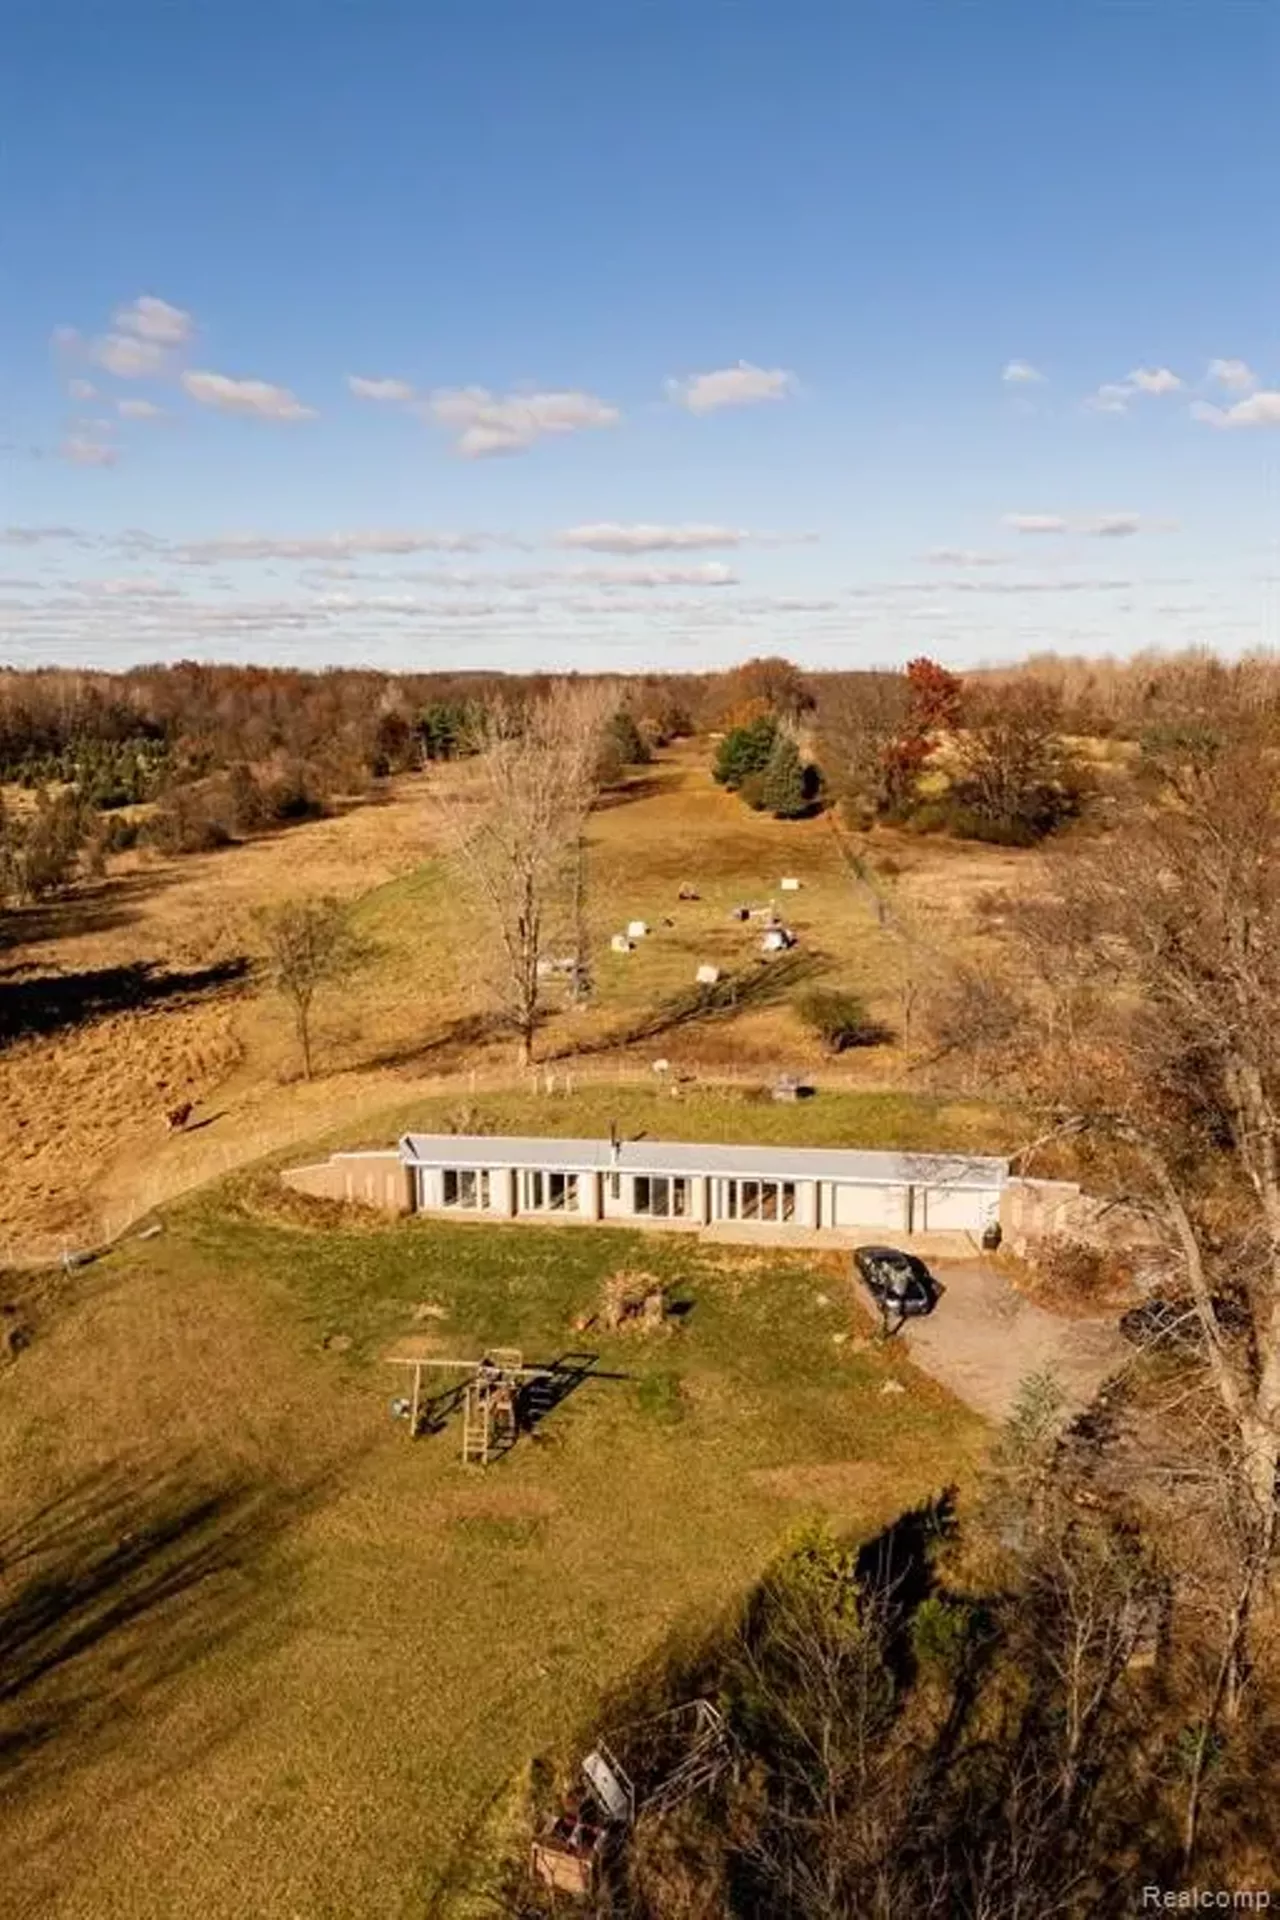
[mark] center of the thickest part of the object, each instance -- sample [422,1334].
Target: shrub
[839,1019]
[189,820]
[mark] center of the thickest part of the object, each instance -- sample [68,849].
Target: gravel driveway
[984,1338]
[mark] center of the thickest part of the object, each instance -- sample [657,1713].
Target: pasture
[139,993]
[264,1654]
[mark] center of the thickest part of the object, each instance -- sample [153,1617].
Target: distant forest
[220,752]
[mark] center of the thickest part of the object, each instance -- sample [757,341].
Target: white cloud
[82,390]
[83,451]
[322,546]
[129,358]
[1113,397]
[366,389]
[139,586]
[708,573]
[1115,526]
[1237,375]
[740,386]
[155,320]
[138,410]
[1101,525]
[1154,380]
[1035,522]
[487,423]
[608,536]
[40,536]
[257,398]
[1020,373]
[963,557]
[1261,409]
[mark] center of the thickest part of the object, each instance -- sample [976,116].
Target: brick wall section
[366,1179]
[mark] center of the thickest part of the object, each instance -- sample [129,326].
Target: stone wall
[1032,1211]
[367,1179]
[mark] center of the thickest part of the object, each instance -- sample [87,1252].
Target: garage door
[952,1210]
[868,1207]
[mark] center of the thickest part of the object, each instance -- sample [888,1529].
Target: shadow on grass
[50,1003]
[767,984]
[110,1591]
[458,1036]
[100,906]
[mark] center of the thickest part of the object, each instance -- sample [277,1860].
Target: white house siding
[870,1195]
[951,1209]
[854,1205]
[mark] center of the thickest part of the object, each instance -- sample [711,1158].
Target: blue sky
[574,333]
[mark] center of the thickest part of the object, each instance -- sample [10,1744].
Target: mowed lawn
[310,1656]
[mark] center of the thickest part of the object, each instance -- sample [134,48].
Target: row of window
[654,1196]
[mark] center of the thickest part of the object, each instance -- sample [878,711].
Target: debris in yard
[789,885]
[630,1299]
[336,1342]
[777,940]
[150,1233]
[893,1386]
[430,1310]
[740,913]
[707,975]
[789,1086]
[662,1066]
[15,1334]
[688,892]
[649,1768]
[621,944]
[637,929]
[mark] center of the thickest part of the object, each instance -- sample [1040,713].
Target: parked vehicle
[899,1283]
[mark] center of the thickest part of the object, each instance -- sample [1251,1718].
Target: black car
[899,1283]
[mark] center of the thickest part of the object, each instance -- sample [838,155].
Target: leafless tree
[512,820]
[859,718]
[1150,970]
[1012,769]
[308,945]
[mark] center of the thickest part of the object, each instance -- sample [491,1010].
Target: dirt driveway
[984,1338]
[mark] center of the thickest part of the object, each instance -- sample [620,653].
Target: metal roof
[855,1165]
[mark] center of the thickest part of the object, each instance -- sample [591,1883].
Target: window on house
[550,1192]
[661,1197]
[466,1187]
[615,1186]
[772,1200]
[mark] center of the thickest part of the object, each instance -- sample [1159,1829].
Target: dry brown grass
[83,1145]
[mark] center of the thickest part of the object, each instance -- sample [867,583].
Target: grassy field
[580,1107]
[82,1101]
[268,1657]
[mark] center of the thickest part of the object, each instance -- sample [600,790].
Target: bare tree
[859,718]
[1013,772]
[1151,976]
[513,825]
[309,946]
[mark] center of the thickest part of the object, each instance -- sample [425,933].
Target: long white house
[675,1184]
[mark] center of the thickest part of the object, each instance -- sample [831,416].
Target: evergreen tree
[784,790]
[744,751]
